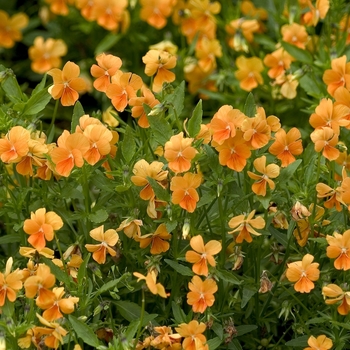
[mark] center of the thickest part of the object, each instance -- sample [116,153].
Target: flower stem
[141,318]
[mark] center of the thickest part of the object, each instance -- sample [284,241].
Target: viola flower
[288,84]
[184,190]
[344,26]
[10,283]
[334,196]
[165,45]
[14,145]
[110,14]
[295,34]
[131,227]
[157,240]
[59,7]
[142,170]
[41,227]
[158,63]
[344,187]
[278,62]
[312,17]
[319,343]
[339,249]
[166,339]
[304,273]
[201,293]
[10,28]
[194,339]
[202,255]
[268,172]
[29,252]
[338,75]
[248,72]
[123,88]
[156,12]
[206,52]
[241,27]
[66,83]
[108,240]
[336,294]
[246,225]
[286,146]
[88,8]
[326,140]
[108,65]
[342,98]
[179,153]
[151,282]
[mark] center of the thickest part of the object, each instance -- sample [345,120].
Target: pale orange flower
[206,52]
[326,140]
[88,8]
[46,54]
[30,252]
[278,62]
[166,339]
[184,190]
[194,339]
[10,28]
[107,66]
[344,26]
[336,294]
[339,249]
[110,14]
[66,83]
[59,7]
[241,27]
[158,64]
[41,227]
[122,88]
[245,225]
[248,72]
[142,170]
[287,145]
[165,45]
[202,255]
[69,153]
[268,172]
[315,13]
[178,151]
[156,12]
[151,282]
[319,343]
[295,34]
[201,293]
[14,145]
[10,283]
[342,98]
[304,273]
[333,195]
[108,240]
[157,240]
[131,227]
[338,75]
[288,84]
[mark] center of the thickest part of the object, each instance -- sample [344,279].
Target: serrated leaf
[161,129]
[84,332]
[299,54]
[250,106]
[181,269]
[160,192]
[245,329]
[128,146]
[194,124]
[12,238]
[37,102]
[78,112]
[300,341]
[40,86]
[131,312]
[99,216]
[287,173]
[228,276]
[214,343]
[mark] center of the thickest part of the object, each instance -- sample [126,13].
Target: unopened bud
[185,229]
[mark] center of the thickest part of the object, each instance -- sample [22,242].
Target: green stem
[141,318]
[223,232]
[50,133]
[87,203]
[312,217]
[61,254]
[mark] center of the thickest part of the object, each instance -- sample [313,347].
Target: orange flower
[151,282]
[295,34]
[184,192]
[338,76]
[201,293]
[123,87]
[138,111]
[342,98]
[278,62]
[344,187]
[131,227]
[239,27]
[339,249]
[110,14]
[70,151]
[158,63]
[193,334]
[88,8]
[179,153]
[142,170]
[321,343]
[14,145]
[10,28]
[108,240]
[287,145]
[245,224]
[166,340]
[337,294]
[303,272]
[10,283]
[108,65]
[324,191]
[326,140]
[268,172]
[66,83]
[155,12]
[202,255]
[289,84]
[206,51]
[59,7]
[248,72]
[316,12]
[157,240]
[234,152]
[344,26]
[30,252]
[41,227]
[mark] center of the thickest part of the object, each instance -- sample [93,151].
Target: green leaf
[60,274]
[107,42]
[40,86]
[250,106]
[178,313]
[316,320]
[214,343]
[131,312]
[300,341]
[82,270]
[181,269]
[112,284]
[310,85]
[131,330]
[299,54]
[128,145]
[171,225]
[161,129]
[280,237]
[37,102]
[287,173]
[10,85]
[235,345]
[245,329]
[247,294]
[99,216]
[228,276]
[194,124]
[78,112]
[84,332]
[160,192]
[13,238]
[176,98]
